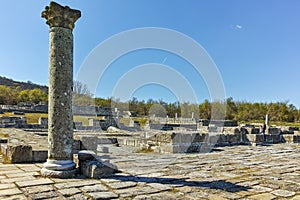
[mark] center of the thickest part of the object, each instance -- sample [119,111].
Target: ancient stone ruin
[60,131]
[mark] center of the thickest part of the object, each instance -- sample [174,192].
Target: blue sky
[255,44]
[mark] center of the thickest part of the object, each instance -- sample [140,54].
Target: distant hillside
[22,85]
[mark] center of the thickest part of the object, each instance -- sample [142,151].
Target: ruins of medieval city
[116,157]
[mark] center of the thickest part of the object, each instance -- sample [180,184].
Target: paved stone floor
[239,172]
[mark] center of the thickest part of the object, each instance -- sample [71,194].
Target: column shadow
[218,185]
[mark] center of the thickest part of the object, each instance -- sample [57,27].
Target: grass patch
[83,119]
[33,118]
[142,121]
[4,135]
[174,190]
[145,150]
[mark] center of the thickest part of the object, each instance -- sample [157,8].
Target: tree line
[14,96]
[228,109]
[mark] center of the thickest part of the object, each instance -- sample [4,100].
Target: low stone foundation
[91,166]
[21,153]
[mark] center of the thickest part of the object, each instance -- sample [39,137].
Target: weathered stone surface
[16,197]
[59,174]
[283,193]
[59,16]
[44,195]
[22,174]
[88,142]
[12,180]
[78,197]
[121,185]
[69,191]
[103,195]
[97,169]
[39,155]
[38,189]
[85,155]
[60,131]
[34,182]
[76,184]
[18,153]
[94,188]
[6,186]
[239,172]
[7,192]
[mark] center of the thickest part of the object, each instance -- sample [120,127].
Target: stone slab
[45,195]
[283,193]
[42,181]
[7,186]
[69,191]
[94,188]
[103,195]
[8,192]
[38,189]
[14,175]
[12,180]
[121,185]
[16,197]
[76,184]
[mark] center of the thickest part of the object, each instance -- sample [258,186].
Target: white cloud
[238,26]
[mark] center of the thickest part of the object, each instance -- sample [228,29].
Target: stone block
[296,138]
[130,142]
[39,155]
[85,155]
[18,153]
[251,138]
[104,149]
[88,142]
[176,138]
[107,140]
[166,148]
[3,140]
[274,131]
[97,169]
[76,146]
[187,138]
[288,138]
[3,148]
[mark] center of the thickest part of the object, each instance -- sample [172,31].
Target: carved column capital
[60,16]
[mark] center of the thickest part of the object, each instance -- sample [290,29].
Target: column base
[59,169]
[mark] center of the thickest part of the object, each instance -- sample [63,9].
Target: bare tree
[80,88]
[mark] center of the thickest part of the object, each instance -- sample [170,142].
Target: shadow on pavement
[219,185]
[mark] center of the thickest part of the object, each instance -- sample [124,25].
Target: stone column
[60,125]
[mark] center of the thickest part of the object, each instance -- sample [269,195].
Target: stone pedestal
[60,125]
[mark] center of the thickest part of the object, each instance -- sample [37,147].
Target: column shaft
[60,94]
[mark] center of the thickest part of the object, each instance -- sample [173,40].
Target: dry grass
[145,150]
[33,118]
[4,135]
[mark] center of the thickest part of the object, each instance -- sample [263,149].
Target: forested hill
[21,85]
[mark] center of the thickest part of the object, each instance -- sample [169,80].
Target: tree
[37,96]
[205,110]
[231,109]
[23,96]
[8,96]
[81,89]
[81,94]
